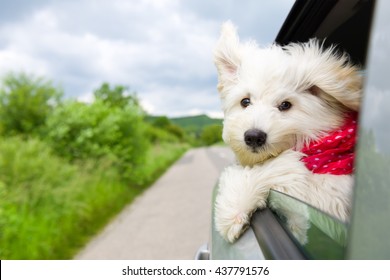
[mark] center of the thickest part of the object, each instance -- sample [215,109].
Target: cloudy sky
[162,49]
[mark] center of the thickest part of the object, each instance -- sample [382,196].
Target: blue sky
[162,49]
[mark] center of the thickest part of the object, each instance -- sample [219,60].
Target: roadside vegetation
[66,167]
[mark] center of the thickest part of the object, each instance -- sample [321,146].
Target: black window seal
[303,20]
[274,241]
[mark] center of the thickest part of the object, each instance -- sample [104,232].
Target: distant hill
[192,124]
[195,123]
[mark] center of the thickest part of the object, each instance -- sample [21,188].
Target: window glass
[318,235]
[370,223]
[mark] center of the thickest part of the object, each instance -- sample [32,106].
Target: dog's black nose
[255,138]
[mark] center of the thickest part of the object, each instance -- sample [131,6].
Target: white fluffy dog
[283,107]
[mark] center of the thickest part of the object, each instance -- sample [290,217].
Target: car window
[318,235]
[368,45]
[370,224]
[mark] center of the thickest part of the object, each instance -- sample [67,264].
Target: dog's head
[277,98]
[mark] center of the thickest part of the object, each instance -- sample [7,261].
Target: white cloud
[86,97]
[215,115]
[11,60]
[148,107]
[162,49]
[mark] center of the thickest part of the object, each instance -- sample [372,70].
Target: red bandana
[333,154]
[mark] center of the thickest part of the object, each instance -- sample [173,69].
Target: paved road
[171,219]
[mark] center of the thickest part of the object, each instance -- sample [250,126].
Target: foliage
[157,160]
[79,131]
[175,130]
[187,129]
[40,189]
[118,96]
[211,134]
[161,122]
[156,135]
[68,167]
[164,123]
[25,103]
[195,124]
[49,207]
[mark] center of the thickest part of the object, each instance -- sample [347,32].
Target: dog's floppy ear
[329,72]
[227,57]
[344,83]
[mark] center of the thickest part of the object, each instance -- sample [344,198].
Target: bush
[79,131]
[211,134]
[157,135]
[47,206]
[117,96]
[163,123]
[25,103]
[72,165]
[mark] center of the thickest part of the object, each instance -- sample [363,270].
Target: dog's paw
[232,226]
[238,197]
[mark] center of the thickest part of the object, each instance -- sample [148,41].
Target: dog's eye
[284,106]
[245,102]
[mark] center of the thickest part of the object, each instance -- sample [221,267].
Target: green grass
[158,159]
[50,208]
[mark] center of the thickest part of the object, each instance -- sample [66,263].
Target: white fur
[321,86]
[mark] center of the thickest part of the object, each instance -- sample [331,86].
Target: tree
[118,96]
[164,123]
[161,122]
[211,134]
[80,131]
[25,103]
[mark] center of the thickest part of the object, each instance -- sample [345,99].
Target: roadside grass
[158,159]
[50,208]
